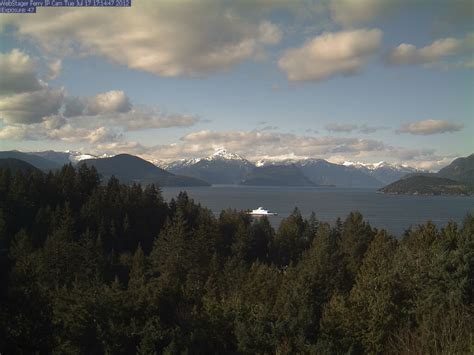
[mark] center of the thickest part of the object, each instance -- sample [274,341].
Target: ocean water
[395,213]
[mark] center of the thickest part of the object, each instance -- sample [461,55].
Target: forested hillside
[92,268]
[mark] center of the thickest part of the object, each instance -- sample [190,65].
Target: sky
[342,80]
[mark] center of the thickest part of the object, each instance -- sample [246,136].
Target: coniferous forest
[91,268]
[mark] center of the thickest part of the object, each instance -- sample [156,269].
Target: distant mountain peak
[223,154]
[379,165]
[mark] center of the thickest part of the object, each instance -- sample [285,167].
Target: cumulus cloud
[409,54]
[269,33]
[109,102]
[102,134]
[31,107]
[331,54]
[131,119]
[54,69]
[114,101]
[24,99]
[254,144]
[423,159]
[17,73]
[56,128]
[428,127]
[167,38]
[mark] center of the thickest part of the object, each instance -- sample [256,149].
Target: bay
[395,213]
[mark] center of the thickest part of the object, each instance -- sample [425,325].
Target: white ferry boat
[261,212]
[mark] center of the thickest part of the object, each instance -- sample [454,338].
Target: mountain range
[127,168]
[223,167]
[15,165]
[131,169]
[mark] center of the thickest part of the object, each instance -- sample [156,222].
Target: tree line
[91,268]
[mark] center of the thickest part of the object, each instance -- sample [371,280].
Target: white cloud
[254,144]
[428,127]
[167,38]
[56,128]
[31,107]
[269,33]
[130,147]
[93,129]
[110,102]
[54,69]
[14,132]
[409,54]
[331,54]
[17,73]
[136,118]
[434,164]
[102,134]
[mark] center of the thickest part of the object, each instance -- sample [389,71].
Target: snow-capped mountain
[218,155]
[379,165]
[221,167]
[223,154]
[75,157]
[224,167]
[267,162]
[68,156]
[175,164]
[383,171]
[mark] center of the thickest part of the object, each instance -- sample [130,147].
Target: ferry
[259,212]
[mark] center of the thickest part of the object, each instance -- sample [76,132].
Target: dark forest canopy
[90,269]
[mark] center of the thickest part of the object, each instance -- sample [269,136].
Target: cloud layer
[17,73]
[331,54]
[428,127]
[167,38]
[256,145]
[349,127]
[31,107]
[114,101]
[409,54]
[31,110]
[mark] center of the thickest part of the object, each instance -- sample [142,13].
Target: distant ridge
[36,161]
[224,167]
[277,175]
[461,169]
[15,165]
[132,169]
[455,179]
[221,167]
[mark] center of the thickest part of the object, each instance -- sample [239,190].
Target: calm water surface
[395,213]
